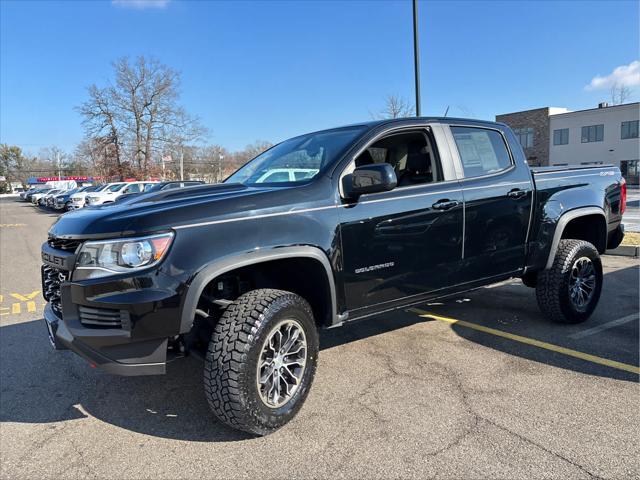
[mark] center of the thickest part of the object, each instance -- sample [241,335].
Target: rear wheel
[261,360]
[569,291]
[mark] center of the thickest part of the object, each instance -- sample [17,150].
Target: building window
[525,136]
[629,130]
[593,133]
[561,136]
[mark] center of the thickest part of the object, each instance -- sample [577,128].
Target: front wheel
[569,291]
[261,360]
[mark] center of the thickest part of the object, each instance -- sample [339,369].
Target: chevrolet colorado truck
[388,214]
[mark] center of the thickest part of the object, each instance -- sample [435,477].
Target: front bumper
[120,325]
[129,359]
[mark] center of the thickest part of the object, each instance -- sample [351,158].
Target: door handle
[445,204]
[517,193]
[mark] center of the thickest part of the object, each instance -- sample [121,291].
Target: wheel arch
[229,264]
[575,222]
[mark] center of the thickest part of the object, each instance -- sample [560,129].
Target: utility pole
[220,158]
[416,55]
[58,162]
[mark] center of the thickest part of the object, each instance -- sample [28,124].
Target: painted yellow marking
[530,341]
[2,225]
[16,307]
[25,298]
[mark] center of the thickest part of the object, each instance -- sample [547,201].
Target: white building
[596,136]
[603,135]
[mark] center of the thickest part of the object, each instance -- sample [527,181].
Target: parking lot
[474,386]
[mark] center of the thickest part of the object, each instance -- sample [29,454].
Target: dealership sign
[55,179]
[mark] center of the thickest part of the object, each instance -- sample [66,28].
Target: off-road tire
[232,357]
[552,290]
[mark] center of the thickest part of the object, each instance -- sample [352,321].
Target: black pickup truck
[318,231]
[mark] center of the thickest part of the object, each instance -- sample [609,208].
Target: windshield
[297,160]
[115,187]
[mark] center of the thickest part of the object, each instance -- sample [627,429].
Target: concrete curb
[625,251]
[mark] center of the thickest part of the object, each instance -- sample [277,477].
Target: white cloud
[628,75]
[140,4]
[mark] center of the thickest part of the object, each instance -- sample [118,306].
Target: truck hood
[153,212]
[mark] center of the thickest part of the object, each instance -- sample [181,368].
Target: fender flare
[564,219]
[224,265]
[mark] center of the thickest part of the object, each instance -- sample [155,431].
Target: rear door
[498,199]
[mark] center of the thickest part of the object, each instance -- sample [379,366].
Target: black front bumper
[120,324]
[127,358]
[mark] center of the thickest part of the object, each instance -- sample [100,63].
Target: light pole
[181,163]
[221,157]
[416,55]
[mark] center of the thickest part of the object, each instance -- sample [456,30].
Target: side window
[276,177]
[482,151]
[135,188]
[410,154]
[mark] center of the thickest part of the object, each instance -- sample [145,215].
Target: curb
[625,251]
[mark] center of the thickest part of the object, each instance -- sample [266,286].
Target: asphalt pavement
[475,386]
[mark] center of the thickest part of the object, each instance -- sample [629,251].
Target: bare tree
[620,93]
[139,114]
[395,107]
[102,120]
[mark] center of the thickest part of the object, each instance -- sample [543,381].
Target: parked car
[399,212]
[37,195]
[78,199]
[43,201]
[50,199]
[160,187]
[113,191]
[23,195]
[62,201]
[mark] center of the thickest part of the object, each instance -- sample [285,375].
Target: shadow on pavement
[39,385]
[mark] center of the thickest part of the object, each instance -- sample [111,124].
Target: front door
[406,242]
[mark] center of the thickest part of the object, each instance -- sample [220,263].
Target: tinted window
[592,133]
[481,151]
[561,136]
[115,187]
[135,188]
[276,177]
[525,136]
[629,130]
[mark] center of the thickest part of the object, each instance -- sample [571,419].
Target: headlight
[108,257]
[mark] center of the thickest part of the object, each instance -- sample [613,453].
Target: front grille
[51,280]
[103,317]
[63,244]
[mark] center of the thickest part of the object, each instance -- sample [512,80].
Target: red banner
[55,179]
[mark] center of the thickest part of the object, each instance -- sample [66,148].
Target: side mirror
[373,178]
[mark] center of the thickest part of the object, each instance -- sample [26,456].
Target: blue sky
[270,70]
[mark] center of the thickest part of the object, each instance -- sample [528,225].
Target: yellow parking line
[530,341]
[15,308]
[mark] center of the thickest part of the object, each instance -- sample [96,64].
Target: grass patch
[631,238]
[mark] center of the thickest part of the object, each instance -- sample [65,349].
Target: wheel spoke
[281,364]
